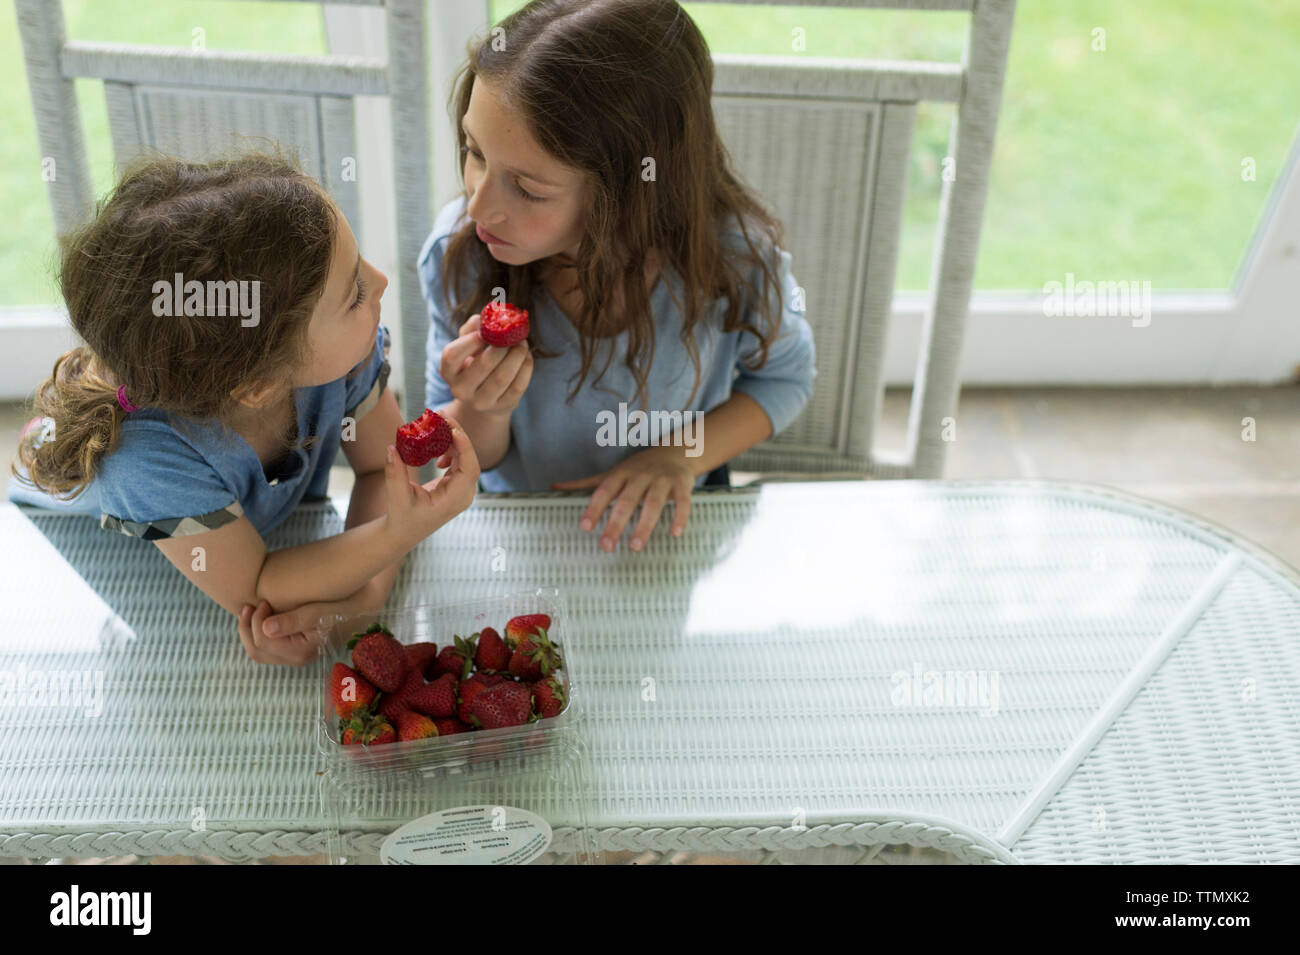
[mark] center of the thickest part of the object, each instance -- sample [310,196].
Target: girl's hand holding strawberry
[655,474]
[482,377]
[415,511]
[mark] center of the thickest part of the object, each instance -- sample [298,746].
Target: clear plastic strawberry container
[501,748]
[510,795]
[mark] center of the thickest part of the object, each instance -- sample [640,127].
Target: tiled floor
[1191,448]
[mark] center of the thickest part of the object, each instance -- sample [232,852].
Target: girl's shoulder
[733,234]
[150,437]
[162,471]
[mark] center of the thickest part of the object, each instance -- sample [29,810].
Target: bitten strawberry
[519,627]
[503,324]
[378,657]
[349,690]
[549,697]
[420,441]
[535,657]
[492,653]
[470,688]
[412,725]
[507,704]
[456,657]
[437,699]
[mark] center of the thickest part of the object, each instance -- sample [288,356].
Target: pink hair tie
[121,400]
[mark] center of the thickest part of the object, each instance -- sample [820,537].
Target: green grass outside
[1117,164]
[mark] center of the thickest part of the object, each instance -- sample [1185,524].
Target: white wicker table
[1132,678]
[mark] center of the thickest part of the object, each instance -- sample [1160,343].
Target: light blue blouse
[554,440]
[161,481]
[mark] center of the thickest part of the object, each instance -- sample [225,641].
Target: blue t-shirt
[553,440]
[162,481]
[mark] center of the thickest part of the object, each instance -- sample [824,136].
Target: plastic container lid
[476,814]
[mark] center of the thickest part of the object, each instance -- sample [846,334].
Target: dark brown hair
[252,217]
[604,85]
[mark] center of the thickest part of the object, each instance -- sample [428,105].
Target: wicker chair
[842,205]
[196,104]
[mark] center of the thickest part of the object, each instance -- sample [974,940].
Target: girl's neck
[267,420]
[562,283]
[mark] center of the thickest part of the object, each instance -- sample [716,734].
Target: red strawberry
[367,730]
[519,627]
[420,441]
[492,653]
[451,726]
[412,725]
[394,703]
[437,698]
[535,657]
[503,324]
[390,707]
[549,697]
[420,655]
[470,688]
[507,704]
[378,657]
[456,657]
[349,690]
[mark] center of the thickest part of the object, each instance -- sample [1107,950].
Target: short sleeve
[366,386]
[441,333]
[161,487]
[784,385]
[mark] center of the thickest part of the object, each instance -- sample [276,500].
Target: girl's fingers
[622,510]
[467,349]
[499,383]
[520,384]
[484,363]
[395,476]
[651,507]
[605,491]
[262,611]
[246,634]
[461,448]
[681,510]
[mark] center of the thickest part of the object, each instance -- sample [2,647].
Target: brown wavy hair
[253,217]
[603,84]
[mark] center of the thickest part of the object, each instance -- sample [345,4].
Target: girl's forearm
[734,426]
[369,500]
[489,433]
[334,568]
